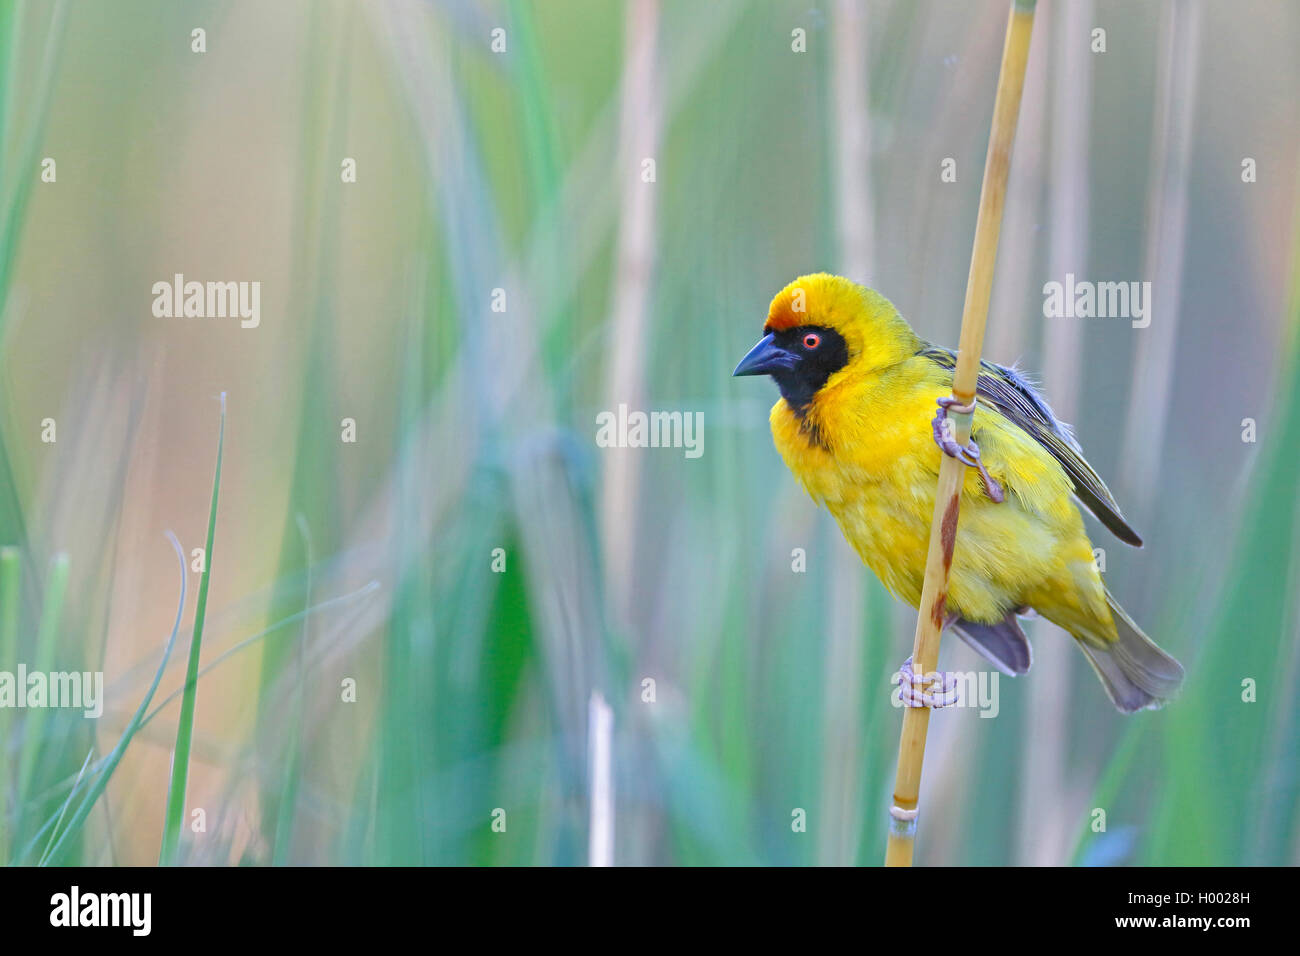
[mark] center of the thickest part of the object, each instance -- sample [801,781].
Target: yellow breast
[865,450]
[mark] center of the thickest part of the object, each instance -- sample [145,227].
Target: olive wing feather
[1014,396]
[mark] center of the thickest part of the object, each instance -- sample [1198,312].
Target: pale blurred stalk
[639,137]
[1166,228]
[1016,286]
[1045,800]
[841,799]
[600,770]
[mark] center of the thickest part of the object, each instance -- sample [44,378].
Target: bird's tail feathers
[1135,672]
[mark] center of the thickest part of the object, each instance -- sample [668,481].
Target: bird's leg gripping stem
[970,454]
[920,690]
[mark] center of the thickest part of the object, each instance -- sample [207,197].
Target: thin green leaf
[185,727]
[137,721]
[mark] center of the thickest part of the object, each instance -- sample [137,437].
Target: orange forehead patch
[789,310]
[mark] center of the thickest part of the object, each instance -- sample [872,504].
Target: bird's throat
[810,426]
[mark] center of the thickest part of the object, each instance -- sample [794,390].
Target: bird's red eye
[812,340]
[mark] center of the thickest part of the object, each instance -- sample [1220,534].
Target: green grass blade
[340,601]
[11,569]
[144,716]
[1218,740]
[314,486]
[13,203]
[47,636]
[15,207]
[63,810]
[185,727]
[1106,792]
[137,721]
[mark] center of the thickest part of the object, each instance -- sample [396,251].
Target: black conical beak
[764,358]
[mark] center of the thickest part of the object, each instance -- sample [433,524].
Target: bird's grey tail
[1135,672]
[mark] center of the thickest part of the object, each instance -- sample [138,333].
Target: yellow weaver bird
[858,389]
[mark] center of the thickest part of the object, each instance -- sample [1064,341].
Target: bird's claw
[969,454]
[919,689]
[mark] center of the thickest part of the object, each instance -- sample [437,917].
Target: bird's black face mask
[800,360]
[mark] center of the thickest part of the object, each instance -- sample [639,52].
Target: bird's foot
[919,689]
[968,455]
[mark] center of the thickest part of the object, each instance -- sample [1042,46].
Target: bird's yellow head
[823,328]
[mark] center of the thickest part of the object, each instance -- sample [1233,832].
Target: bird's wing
[1010,393]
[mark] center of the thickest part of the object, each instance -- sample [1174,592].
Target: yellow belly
[871,460]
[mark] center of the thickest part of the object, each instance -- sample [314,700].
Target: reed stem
[943,526]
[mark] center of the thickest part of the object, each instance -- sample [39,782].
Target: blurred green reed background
[373,561]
